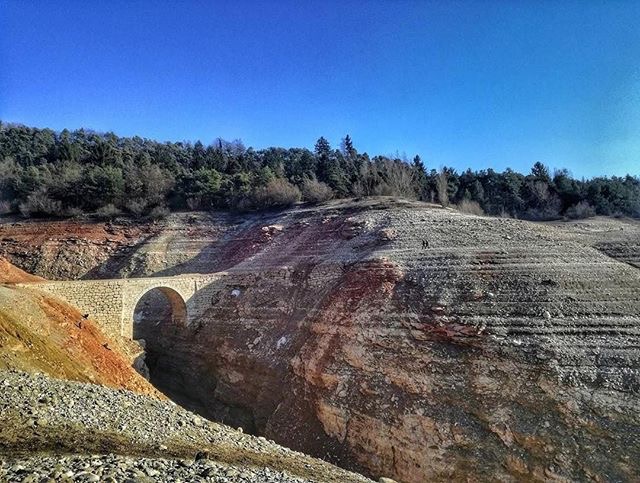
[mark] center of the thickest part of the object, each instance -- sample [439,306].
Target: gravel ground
[54,430]
[114,468]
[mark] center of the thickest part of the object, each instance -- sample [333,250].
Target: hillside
[396,338]
[12,274]
[40,333]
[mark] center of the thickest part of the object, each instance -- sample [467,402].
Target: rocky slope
[496,349]
[56,430]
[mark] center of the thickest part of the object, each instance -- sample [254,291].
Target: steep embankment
[39,333]
[64,250]
[61,430]
[12,274]
[500,350]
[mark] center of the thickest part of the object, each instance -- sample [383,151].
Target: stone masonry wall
[102,300]
[112,302]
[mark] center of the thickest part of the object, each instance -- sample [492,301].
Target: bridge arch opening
[159,314]
[156,309]
[160,325]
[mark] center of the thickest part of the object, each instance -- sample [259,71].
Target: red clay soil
[41,333]
[12,274]
[34,233]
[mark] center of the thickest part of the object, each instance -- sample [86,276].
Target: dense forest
[68,173]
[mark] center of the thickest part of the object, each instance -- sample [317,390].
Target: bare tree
[442,185]
[369,181]
[399,179]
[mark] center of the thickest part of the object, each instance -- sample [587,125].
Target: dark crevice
[176,371]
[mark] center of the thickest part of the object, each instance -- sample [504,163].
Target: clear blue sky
[467,84]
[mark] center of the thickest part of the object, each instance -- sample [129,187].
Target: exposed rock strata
[505,350]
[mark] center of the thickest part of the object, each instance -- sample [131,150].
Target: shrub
[5,207]
[108,212]
[243,203]
[541,214]
[39,203]
[137,207]
[159,213]
[316,191]
[470,207]
[276,193]
[74,212]
[194,203]
[580,211]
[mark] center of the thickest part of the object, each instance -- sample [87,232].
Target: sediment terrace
[504,350]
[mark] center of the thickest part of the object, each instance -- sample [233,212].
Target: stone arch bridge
[113,302]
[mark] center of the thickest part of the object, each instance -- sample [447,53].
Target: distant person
[84,317]
[425,243]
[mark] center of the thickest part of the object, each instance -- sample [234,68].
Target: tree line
[68,173]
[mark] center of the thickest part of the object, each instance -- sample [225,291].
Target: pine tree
[323,148]
[348,150]
[323,155]
[420,178]
[540,172]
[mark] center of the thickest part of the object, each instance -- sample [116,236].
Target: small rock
[202,455]
[207,472]
[387,234]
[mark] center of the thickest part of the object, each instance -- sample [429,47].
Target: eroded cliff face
[502,350]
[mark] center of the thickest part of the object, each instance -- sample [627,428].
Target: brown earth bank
[65,250]
[12,274]
[43,334]
[400,339]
